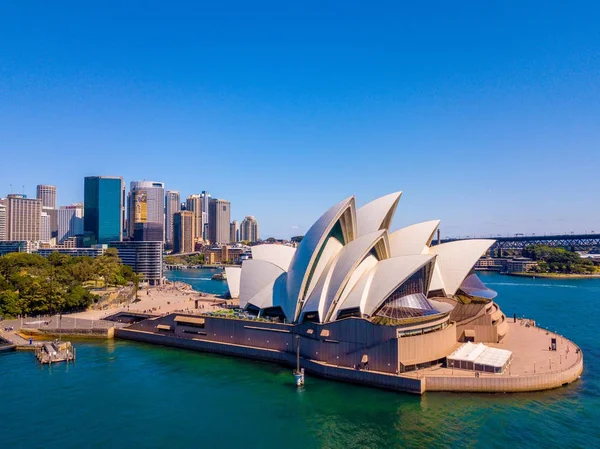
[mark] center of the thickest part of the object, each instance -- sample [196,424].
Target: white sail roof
[454,262]
[233,280]
[309,249]
[335,277]
[389,275]
[279,255]
[377,214]
[413,239]
[256,275]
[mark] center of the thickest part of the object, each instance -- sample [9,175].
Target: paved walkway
[531,353]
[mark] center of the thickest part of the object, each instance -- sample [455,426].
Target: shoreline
[554,275]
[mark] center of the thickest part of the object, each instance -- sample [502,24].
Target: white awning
[481,355]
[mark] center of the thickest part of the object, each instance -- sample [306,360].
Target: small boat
[219,276]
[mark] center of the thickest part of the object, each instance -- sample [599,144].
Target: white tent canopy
[479,357]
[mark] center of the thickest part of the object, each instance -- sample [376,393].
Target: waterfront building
[487,263]
[184,227]
[104,209]
[23,218]
[70,221]
[47,194]
[172,206]
[520,265]
[193,203]
[249,230]
[234,232]
[3,223]
[145,204]
[219,219]
[145,258]
[224,254]
[349,266]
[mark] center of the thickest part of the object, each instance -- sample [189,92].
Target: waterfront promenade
[534,366]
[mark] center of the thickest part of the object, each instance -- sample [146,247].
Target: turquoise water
[121,393]
[200,280]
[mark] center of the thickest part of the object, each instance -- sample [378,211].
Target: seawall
[101,333]
[367,378]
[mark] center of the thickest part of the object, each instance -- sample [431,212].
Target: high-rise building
[70,221]
[193,203]
[145,258]
[184,228]
[249,230]
[47,194]
[205,206]
[145,204]
[172,206]
[104,211]
[3,223]
[148,232]
[45,231]
[24,218]
[219,213]
[234,232]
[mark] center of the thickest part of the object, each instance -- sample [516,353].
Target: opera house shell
[349,264]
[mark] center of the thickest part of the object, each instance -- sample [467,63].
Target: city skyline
[470,112]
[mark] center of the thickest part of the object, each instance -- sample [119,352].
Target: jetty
[54,352]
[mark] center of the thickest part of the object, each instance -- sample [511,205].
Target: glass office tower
[104,209]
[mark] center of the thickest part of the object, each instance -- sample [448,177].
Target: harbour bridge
[571,242]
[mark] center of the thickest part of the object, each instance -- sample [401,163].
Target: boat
[219,276]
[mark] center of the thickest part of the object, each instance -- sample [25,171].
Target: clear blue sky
[486,114]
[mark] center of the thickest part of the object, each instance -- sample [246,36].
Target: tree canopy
[557,260]
[32,285]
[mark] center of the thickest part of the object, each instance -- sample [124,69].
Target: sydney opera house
[362,304]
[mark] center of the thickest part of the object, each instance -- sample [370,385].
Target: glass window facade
[103,215]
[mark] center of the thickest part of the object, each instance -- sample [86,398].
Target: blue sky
[486,114]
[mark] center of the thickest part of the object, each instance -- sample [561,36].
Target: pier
[55,352]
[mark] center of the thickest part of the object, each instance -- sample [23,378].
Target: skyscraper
[146,204]
[24,218]
[70,221]
[172,206]
[184,228]
[193,203]
[3,223]
[219,213]
[249,230]
[205,206]
[234,232]
[104,211]
[47,194]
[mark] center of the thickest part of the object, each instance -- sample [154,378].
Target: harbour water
[122,393]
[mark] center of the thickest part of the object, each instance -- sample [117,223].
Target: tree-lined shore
[33,285]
